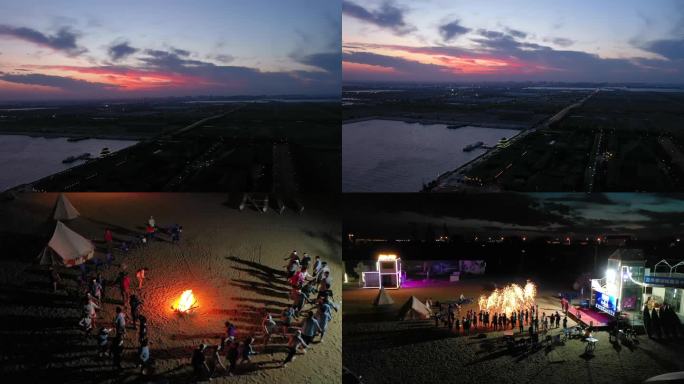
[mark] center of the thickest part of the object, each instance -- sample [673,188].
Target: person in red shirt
[108,238]
[125,287]
[149,231]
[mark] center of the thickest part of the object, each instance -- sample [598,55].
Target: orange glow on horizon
[456,63]
[125,79]
[350,67]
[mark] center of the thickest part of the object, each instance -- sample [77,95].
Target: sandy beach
[233,261]
[376,343]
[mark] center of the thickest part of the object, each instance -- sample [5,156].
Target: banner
[606,303]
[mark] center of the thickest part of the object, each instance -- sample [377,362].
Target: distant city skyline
[85,49]
[519,40]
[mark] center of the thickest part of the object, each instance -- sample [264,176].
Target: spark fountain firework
[509,298]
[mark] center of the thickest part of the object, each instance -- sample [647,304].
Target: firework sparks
[509,298]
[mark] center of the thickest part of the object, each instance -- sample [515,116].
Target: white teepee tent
[64,210]
[383,298]
[414,309]
[69,246]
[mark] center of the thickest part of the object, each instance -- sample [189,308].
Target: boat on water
[503,143]
[105,152]
[473,146]
[71,159]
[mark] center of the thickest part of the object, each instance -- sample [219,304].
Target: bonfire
[185,303]
[510,298]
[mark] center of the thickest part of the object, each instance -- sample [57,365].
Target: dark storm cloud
[663,219]
[510,208]
[121,50]
[224,78]
[64,40]
[671,49]
[549,214]
[542,63]
[170,59]
[516,33]
[452,29]
[388,16]
[329,62]
[64,83]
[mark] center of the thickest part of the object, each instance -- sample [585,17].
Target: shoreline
[67,135]
[460,124]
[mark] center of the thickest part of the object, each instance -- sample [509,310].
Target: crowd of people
[129,318]
[450,316]
[661,321]
[298,327]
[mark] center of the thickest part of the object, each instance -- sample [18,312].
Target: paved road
[451,180]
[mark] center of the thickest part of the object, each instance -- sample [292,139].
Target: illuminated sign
[664,281]
[606,303]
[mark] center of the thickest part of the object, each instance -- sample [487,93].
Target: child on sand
[247,349]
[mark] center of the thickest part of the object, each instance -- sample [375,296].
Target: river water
[396,156]
[24,159]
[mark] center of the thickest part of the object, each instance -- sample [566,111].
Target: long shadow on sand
[393,339]
[260,290]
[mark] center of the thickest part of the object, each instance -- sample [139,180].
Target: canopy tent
[414,309]
[64,210]
[383,298]
[66,247]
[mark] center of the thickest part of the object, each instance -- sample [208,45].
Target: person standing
[135,304]
[144,355]
[199,363]
[120,323]
[247,349]
[232,355]
[269,326]
[117,351]
[296,341]
[216,360]
[140,275]
[124,287]
[310,328]
[103,341]
[109,239]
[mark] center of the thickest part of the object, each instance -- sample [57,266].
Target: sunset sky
[111,49]
[513,40]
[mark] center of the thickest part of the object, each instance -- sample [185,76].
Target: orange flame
[185,302]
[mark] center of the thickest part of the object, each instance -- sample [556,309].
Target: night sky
[58,49]
[646,216]
[516,40]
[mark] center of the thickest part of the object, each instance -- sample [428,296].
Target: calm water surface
[395,156]
[24,159]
